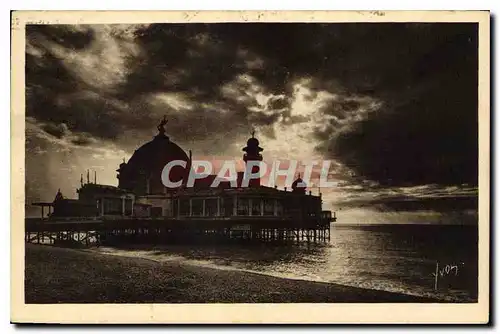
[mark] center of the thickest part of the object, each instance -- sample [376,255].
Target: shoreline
[194,263]
[63,275]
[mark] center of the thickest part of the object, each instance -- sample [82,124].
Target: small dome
[299,186]
[253,145]
[299,183]
[253,142]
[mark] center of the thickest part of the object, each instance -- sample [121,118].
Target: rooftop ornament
[161,126]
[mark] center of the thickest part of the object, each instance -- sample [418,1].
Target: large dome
[158,151]
[142,173]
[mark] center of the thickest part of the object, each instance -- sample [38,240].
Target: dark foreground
[59,275]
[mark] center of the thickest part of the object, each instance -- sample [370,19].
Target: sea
[439,261]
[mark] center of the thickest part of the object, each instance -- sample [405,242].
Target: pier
[125,230]
[142,209]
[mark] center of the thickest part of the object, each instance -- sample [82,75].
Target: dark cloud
[82,141]
[405,203]
[175,59]
[425,74]
[63,35]
[183,58]
[427,130]
[440,204]
[277,102]
[56,130]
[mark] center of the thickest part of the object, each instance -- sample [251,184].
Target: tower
[252,153]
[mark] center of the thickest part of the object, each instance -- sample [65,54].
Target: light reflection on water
[396,258]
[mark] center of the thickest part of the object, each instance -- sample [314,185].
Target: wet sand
[61,275]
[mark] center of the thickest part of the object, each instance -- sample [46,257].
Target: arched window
[228,206]
[197,207]
[279,208]
[269,207]
[211,207]
[242,207]
[184,207]
[256,202]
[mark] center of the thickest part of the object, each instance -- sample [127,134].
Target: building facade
[141,194]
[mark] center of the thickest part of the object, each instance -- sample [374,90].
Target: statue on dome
[161,126]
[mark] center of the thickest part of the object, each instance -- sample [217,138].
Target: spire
[59,195]
[81,180]
[88,176]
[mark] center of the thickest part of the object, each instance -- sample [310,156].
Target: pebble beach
[62,275]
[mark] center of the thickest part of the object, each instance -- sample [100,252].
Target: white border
[344,306]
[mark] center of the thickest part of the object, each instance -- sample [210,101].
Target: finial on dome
[161,126]
[253,133]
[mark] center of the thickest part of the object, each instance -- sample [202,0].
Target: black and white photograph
[253,161]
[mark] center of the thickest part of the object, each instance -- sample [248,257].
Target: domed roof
[143,170]
[253,144]
[296,184]
[299,185]
[157,152]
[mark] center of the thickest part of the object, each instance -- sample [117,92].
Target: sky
[392,105]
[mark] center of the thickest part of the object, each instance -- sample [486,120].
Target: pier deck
[99,230]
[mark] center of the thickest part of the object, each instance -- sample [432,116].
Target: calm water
[397,258]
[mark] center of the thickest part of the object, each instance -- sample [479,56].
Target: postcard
[230,167]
